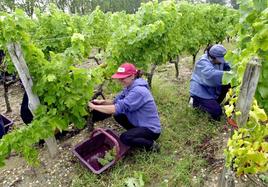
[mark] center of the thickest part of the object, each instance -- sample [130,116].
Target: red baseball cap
[125,70]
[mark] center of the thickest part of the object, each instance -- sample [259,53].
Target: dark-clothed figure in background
[206,87]
[134,109]
[2,127]
[25,112]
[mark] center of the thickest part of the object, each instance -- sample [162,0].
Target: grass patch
[178,161]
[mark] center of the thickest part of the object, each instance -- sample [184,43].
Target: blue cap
[218,51]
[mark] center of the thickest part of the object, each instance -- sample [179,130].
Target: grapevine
[247,151]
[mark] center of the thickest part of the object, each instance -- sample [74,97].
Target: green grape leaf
[51,78]
[227,77]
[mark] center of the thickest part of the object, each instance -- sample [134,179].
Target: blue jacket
[206,79]
[137,103]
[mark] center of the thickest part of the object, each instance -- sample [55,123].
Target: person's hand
[98,102]
[91,105]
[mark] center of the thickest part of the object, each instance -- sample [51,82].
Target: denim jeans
[140,137]
[212,106]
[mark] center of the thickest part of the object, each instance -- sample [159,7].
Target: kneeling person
[206,86]
[134,108]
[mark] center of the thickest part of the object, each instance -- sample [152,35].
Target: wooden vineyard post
[247,91]
[16,55]
[244,103]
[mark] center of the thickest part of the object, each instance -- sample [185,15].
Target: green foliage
[191,27]
[12,30]
[97,29]
[247,149]
[108,157]
[55,43]
[227,77]
[253,42]
[161,31]
[53,30]
[63,89]
[203,24]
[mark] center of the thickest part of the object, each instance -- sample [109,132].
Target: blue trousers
[212,106]
[208,105]
[140,137]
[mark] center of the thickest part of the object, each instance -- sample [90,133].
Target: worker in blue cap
[206,88]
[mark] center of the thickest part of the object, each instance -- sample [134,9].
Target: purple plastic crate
[90,150]
[7,122]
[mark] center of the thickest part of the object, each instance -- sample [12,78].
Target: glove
[226,67]
[227,77]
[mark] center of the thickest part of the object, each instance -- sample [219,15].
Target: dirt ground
[59,170]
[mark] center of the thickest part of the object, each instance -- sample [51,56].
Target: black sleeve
[2,128]
[25,112]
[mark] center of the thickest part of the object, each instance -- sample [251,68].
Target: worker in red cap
[134,109]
